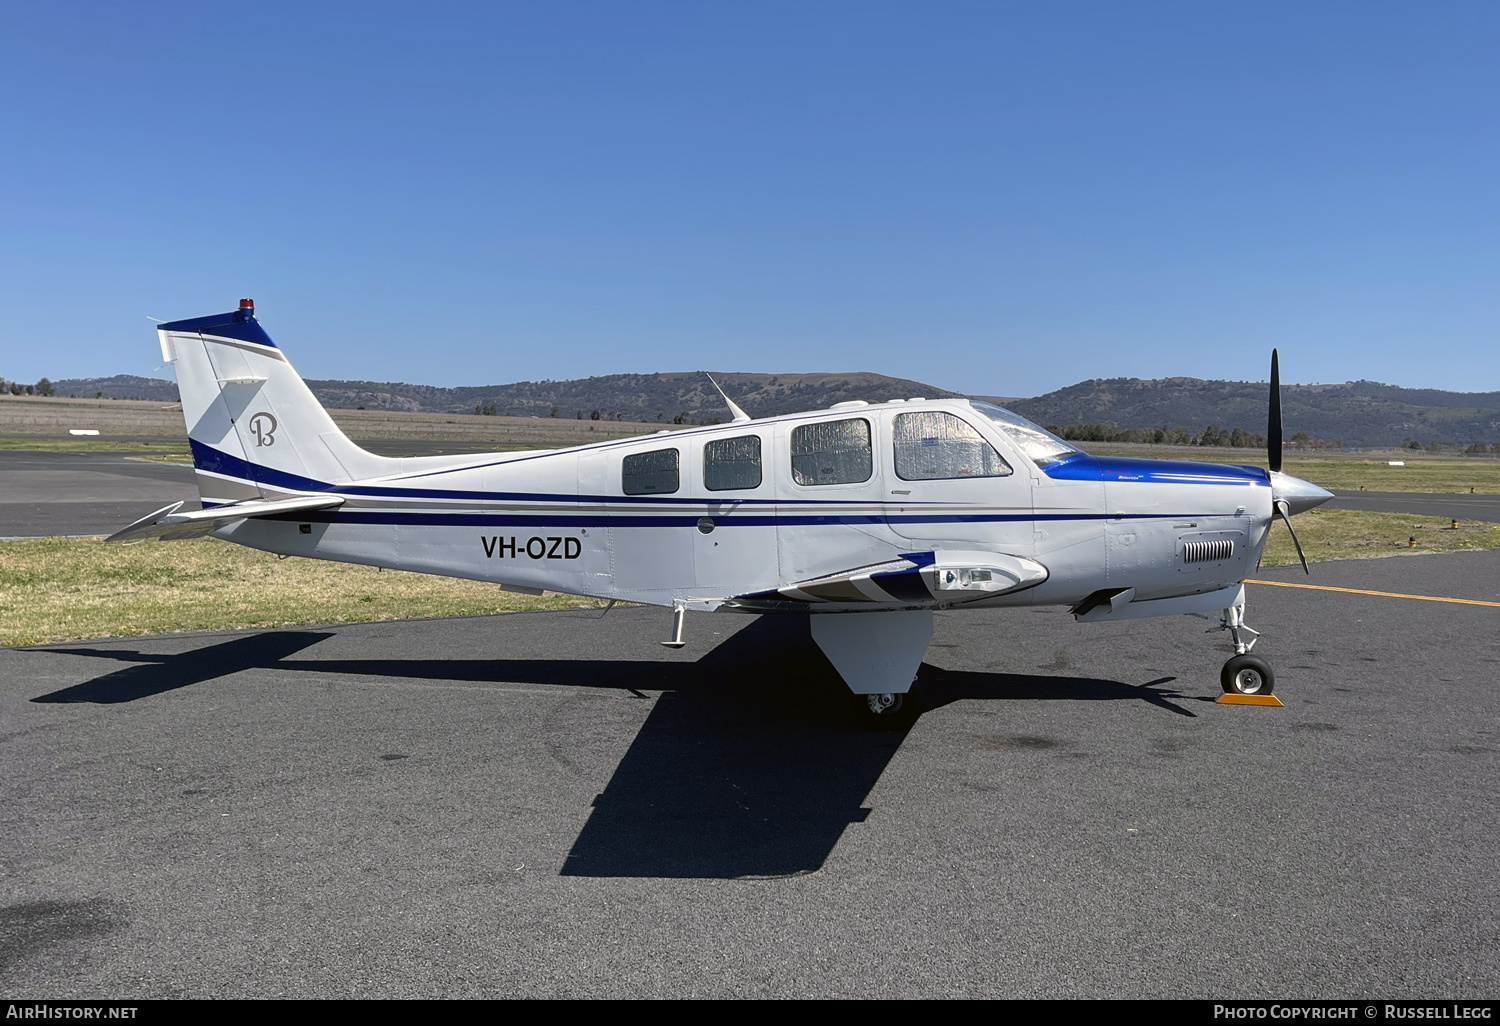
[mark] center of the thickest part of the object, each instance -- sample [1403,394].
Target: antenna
[740,416]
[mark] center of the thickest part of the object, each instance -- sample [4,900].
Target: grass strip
[1354,534]
[64,589]
[90,445]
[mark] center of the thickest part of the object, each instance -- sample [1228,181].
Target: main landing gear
[889,710]
[1243,674]
[878,655]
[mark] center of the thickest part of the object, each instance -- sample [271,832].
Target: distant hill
[635,397]
[1358,413]
[650,397]
[121,386]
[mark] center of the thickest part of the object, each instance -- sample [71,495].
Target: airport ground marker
[1233,699]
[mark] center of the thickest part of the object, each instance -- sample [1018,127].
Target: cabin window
[833,452]
[937,446]
[650,473]
[731,463]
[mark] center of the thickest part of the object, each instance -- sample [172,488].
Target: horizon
[992,395]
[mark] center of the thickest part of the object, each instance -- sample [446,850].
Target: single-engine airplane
[865,517]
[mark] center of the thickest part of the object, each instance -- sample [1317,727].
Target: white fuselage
[563,521]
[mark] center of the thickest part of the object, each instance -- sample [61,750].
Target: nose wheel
[1247,675]
[1244,674]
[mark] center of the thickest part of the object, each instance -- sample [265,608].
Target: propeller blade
[1285,514]
[1273,421]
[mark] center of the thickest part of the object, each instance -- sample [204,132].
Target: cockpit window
[1040,445]
[937,446]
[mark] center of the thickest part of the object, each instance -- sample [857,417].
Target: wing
[914,579]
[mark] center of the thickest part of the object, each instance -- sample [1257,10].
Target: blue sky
[995,198]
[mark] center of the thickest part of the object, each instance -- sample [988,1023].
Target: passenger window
[731,463]
[650,473]
[834,452]
[937,446]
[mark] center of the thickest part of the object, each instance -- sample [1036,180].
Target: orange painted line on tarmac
[1382,594]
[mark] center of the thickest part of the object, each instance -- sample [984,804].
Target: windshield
[1040,445]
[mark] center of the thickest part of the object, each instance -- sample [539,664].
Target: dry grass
[1354,534]
[58,589]
[61,589]
[23,418]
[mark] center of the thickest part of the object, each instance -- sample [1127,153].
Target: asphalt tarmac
[1442,504]
[551,804]
[85,493]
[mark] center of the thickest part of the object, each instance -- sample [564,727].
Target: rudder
[255,428]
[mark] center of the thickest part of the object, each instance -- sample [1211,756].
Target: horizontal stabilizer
[170,525]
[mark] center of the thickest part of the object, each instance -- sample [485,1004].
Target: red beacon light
[247,304]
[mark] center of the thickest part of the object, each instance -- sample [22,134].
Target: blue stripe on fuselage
[207,458]
[1084,467]
[486,518]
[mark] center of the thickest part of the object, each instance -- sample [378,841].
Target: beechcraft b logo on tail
[263,426]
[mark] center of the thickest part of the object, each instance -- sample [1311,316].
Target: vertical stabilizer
[255,428]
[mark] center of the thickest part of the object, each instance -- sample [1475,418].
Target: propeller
[1279,505]
[1273,419]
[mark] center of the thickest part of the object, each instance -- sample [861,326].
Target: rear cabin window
[937,446]
[834,452]
[732,463]
[650,473]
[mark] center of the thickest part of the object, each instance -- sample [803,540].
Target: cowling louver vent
[1207,551]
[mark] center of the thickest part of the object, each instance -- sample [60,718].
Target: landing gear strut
[1243,674]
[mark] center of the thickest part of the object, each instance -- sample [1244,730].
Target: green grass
[63,589]
[60,589]
[91,445]
[1354,534]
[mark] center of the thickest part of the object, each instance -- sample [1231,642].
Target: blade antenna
[740,416]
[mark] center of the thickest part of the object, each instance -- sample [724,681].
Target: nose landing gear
[1244,678]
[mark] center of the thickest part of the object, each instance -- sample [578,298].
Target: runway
[63,493]
[92,493]
[551,804]
[1427,504]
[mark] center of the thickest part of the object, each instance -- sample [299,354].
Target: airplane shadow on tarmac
[748,765]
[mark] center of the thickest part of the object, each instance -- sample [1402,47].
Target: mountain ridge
[1363,414]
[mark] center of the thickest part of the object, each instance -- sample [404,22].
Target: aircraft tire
[874,713]
[1247,675]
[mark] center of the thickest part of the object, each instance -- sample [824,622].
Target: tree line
[42,387]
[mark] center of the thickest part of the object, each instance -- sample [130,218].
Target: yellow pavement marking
[1382,594]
